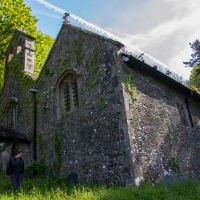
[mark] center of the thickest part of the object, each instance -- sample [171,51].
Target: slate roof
[8,134]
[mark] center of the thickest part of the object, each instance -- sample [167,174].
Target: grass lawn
[39,189]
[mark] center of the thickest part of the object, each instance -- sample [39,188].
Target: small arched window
[11,52]
[67,94]
[19,46]
[11,109]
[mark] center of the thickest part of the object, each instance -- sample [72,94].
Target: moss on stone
[131,86]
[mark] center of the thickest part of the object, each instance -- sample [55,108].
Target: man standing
[15,169]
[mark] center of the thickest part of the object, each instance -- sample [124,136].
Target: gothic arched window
[11,114]
[67,94]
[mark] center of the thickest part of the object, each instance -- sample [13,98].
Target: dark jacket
[15,165]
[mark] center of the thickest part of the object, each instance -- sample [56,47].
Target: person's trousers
[16,180]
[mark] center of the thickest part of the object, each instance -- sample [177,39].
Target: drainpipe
[188,108]
[34,91]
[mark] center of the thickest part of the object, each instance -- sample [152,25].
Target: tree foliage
[194,82]
[12,14]
[42,47]
[195,56]
[194,62]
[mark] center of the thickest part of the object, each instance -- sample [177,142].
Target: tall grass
[39,189]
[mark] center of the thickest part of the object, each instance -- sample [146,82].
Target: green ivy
[3,134]
[83,117]
[58,150]
[131,86]
[78,51]
[93,69]
[175,165]
[59,60]
[41,145]
[47,72]
[173,161]
[66,61]
[36,169]
[102,104]
[171,136]
[26,81]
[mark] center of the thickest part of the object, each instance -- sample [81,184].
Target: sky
[162,29]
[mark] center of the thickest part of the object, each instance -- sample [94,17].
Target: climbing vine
[26,81]
[102,104]
[131,86]
[173,161]
[58,150]
[93,69]
[47,71]
[66,61]
[59,60]
[38,168]
[78,51]
[41,145]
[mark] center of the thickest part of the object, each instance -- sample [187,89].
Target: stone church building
[96,112]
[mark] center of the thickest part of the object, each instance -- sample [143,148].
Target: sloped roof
[143,67]
[8,134]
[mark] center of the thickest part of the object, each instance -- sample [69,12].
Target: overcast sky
[160,28]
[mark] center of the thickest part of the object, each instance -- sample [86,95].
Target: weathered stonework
[109,137]
[156,134]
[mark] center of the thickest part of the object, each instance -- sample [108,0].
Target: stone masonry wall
[13,90]
[94,140]
[160,144]
[109,138]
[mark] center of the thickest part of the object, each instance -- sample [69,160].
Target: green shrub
[36,169]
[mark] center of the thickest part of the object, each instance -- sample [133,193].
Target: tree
[42,47]
[12,14]
[194,62]
[195,56]
[194,82]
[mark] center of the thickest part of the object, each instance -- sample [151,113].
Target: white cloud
[166,38]
[162,29]
[35,12]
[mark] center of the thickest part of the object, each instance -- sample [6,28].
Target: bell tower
[21,48]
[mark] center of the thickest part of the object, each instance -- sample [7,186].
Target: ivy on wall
[41,145]
[38,168]
[131,86]
[102,104]
[94,74]
[26,82]
[173,161]
[77,44]
[57,164]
